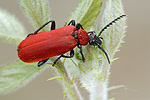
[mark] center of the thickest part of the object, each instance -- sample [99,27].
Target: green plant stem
[100,85]
[69,87]
[99,91]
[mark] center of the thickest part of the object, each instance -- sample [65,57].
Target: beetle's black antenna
[110,24]
[104,52]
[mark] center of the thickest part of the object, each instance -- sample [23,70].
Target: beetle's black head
[94,40]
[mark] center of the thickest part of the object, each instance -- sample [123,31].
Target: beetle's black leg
[52,27]
[71,55]
[103,51]
[40,63]
[80,47]
[72,22]
[75,35]
[78,26]
[29,35]
[56,60]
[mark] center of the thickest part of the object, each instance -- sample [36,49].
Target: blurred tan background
[132,69]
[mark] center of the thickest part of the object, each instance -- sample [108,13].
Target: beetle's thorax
[81,36]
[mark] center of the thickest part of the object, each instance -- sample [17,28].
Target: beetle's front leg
[80,47]
[75,35]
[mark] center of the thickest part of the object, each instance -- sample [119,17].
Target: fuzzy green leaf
[113,36]
[17,74]
[37,11]
[11,30]
[86,12]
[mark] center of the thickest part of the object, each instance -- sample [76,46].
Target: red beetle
[39,47]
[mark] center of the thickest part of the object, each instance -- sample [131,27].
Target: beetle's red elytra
[40,46]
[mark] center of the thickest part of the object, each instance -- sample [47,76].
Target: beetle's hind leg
[40,63]
[71,55]
[51,28]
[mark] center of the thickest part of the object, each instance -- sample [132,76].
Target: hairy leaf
[11,30]
[17,74]
[37,11]
[86,12]
[113,36]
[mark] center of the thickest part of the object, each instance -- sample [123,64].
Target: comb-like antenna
[110,24]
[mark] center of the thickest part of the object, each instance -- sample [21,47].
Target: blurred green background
[132,69]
